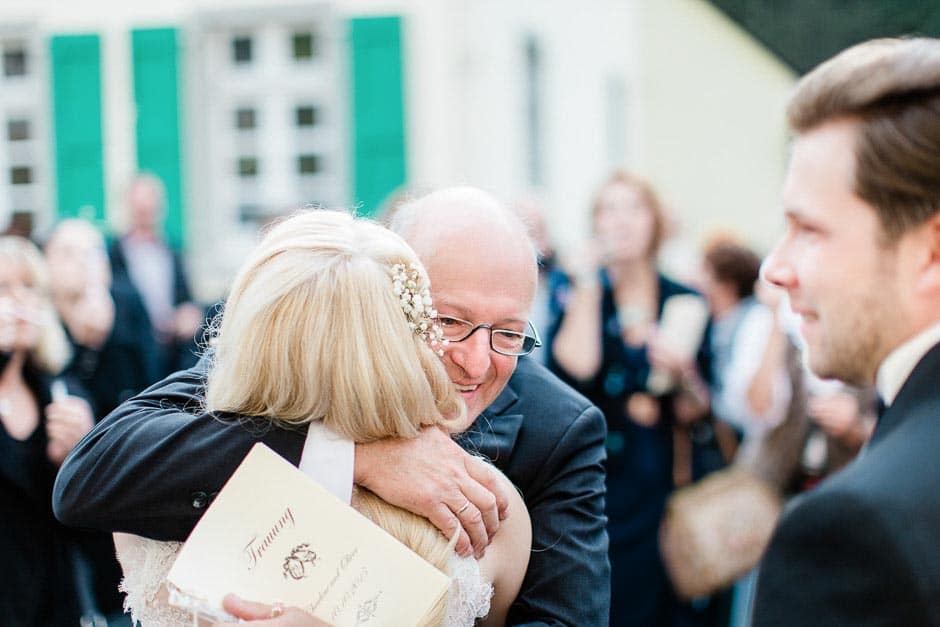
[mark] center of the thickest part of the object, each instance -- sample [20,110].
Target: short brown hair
[650,199]
[734,263]
[892,88]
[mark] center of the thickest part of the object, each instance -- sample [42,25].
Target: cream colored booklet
[273,534]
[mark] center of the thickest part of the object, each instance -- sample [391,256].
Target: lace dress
[146,563]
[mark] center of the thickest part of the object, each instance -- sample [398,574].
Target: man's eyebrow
[461,312]
[466,314]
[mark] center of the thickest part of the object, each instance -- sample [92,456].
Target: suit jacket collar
[920,385]
[494,431]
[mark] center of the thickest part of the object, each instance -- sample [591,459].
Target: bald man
[545,437]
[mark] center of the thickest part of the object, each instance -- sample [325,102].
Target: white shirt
[328,459]
[742,335]
[898,365]
[150,266]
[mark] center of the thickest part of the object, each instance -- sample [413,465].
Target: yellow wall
[710,120]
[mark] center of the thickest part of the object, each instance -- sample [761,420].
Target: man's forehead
[474,305]
[474,283]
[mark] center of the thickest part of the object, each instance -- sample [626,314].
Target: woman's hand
[90,319]
[67,421]
[663,356]
[262,614]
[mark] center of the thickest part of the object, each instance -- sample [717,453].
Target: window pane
[307,116]
[17,130]
[249,212]
[245,119]
[21,175]
[308,164]
[247,166]
[241,49]
[303,46]
[14,62]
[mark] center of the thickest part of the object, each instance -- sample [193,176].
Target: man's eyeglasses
[502,341]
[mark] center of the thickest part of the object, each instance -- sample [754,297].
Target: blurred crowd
[694,378]
[84,325]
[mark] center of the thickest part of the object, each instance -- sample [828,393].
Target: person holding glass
[606,342]
[40,422]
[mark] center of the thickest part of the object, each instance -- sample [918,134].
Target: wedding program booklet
[273,534]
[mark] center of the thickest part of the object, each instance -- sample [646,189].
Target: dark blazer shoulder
[860,548]
[536,388]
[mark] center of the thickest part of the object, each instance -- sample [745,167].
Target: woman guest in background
[112,344]
[603,343]
[330,323]
[36,433]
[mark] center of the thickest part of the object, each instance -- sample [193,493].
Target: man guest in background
[143,259]
[860,261]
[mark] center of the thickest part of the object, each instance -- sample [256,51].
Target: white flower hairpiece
[411,287]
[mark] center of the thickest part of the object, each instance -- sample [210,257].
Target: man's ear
[927,244]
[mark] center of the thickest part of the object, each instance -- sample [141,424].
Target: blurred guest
[143,258]
[38,428]
[603,343]
[106,321]
[749,383]
[112,350]
[532,213]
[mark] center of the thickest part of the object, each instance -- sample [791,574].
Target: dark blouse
[639,460]
[37,588]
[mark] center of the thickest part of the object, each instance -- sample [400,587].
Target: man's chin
[475,405]
[851,373]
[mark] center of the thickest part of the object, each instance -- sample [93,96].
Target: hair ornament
[415,299]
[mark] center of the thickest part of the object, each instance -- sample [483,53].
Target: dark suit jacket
[150,468]
[863,548]
[176,355]
[119,268]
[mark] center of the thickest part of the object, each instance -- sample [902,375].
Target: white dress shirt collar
[898,365]
[328,459]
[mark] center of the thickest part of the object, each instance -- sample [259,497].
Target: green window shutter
[76,113]
[157,98]
[378,110]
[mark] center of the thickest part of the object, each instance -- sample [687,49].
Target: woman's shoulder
[670,287]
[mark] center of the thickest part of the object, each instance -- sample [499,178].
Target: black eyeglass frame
[536,343]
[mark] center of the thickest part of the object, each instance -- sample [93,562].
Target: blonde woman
[329,322]
[36,433]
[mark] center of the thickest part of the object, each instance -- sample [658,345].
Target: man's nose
[777,269]
[473,354]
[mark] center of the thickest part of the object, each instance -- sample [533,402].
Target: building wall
[471,92]
[513,97]
[712,129]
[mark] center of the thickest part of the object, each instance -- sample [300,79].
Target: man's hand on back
[433,477]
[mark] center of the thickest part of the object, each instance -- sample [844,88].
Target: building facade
[247,109]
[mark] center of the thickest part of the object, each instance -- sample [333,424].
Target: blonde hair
[52,352]
[313,330]
[891,87]
[650,200]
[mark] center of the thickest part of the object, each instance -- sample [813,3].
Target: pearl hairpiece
[415,298]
